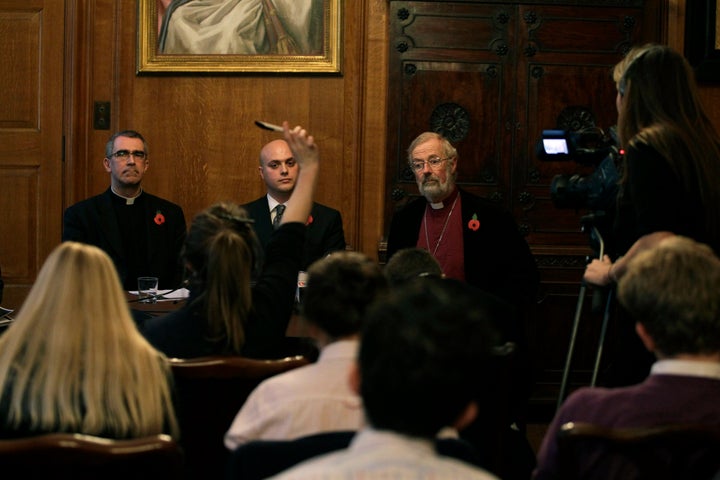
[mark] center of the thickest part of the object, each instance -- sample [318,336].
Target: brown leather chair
[588,451]
[210,392]
[77,456]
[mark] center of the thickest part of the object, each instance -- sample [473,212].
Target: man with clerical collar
[476,242]
[279,171]
[142,233]
[472,239]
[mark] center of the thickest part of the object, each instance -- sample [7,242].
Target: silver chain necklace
[442,233]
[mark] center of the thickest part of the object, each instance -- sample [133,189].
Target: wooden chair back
[588,451]
[77,456]
[210,392]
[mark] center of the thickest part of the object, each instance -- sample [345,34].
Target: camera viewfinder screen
[554,146]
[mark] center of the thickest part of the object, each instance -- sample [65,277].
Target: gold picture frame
[325,57]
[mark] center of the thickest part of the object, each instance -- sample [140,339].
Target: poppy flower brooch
[474,223]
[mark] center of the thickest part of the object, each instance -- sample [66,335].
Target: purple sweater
[661,399]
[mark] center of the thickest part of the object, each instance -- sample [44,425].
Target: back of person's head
[340,287]
[222,255]
[422,355]
[411,263]
[673,290]
[661,107]
[74,359]
[658,87]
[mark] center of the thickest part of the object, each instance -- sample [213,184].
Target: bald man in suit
[279,170]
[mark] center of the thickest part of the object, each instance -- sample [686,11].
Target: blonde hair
[74,361]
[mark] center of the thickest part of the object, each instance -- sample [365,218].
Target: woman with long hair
[239,302]
[73,359]
[672,158]
[669,181]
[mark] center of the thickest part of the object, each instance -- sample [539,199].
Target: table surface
[160,307]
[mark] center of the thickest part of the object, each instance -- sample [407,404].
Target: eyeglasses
[123,154]
[433,162]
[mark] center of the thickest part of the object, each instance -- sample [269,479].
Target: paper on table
[169,294]
[174,294]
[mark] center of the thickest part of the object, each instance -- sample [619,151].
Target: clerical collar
[439,205]
[128,200]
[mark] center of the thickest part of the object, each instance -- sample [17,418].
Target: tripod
[588,221]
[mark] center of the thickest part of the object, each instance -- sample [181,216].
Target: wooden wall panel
[19,98]
[203,144]
[372,131]
[31,84]
[19,222]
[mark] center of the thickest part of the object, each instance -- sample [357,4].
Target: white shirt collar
[686,367]
[340,349]
[128,200]
[272,203]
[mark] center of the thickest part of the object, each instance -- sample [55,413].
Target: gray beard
[436,192]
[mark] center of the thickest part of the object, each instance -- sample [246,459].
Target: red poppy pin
[474,223]
[309,220]
[159,218]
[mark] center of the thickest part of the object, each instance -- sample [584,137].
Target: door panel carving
[31,92]
[492,76]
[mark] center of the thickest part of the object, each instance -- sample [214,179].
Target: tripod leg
[571,347]
[601,341]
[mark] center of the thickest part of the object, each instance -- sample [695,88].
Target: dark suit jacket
[324,232]
[497,257]
[497,261]
[93,221]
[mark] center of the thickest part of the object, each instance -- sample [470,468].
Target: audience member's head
[74,361]
[658,96]
[422,353]
[411,263]
[340,287]
[673,292]
[222,255]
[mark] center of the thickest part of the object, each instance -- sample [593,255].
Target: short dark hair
[339,289]
[410,263]
[673,290]
[422,354]
[124,133]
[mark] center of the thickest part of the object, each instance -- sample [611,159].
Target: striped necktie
[279,210]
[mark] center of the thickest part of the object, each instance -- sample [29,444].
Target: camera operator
[669,180]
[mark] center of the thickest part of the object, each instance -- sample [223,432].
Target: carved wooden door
[31,139]
[491,76]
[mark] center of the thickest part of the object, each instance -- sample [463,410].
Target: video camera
[596,191]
